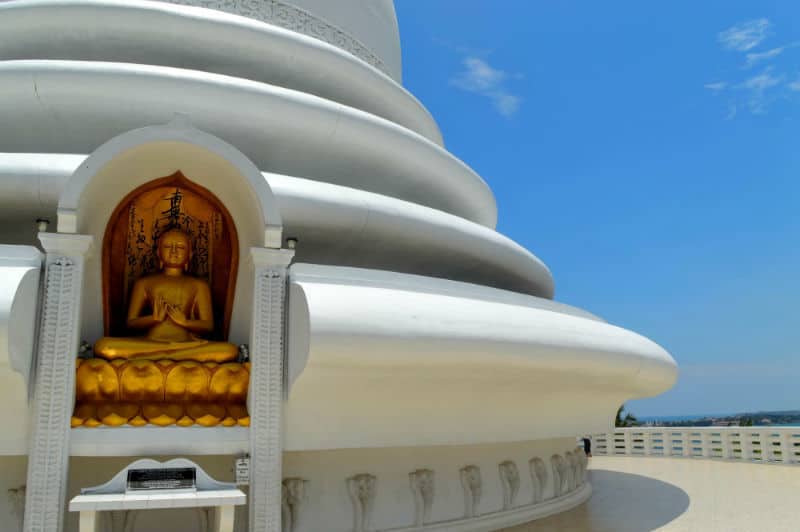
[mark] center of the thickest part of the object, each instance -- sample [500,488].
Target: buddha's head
[174,249]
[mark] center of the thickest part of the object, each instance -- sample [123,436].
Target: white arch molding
[139,156]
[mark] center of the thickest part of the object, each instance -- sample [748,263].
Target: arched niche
[131,237]
[138,157]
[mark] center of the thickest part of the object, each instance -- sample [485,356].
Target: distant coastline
[771,418]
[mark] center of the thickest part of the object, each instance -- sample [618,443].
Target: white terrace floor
[633,494]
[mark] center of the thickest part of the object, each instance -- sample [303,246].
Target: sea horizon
[694,417]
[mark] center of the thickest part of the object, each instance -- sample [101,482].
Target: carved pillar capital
[266,258]
[66,245]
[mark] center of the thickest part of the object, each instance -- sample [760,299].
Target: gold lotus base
[162,393]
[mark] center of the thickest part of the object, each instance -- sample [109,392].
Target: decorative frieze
[362,491]
[471,483]
[422,487]
[509,480]
[560,475]
[293,499]
[566,469]
[538,478]
[295,19]
[569,458]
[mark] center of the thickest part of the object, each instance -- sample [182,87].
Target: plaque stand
[216,500]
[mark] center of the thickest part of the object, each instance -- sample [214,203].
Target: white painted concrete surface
[275,127]
[333,224]
[379,360]
[159,33]
[676,495]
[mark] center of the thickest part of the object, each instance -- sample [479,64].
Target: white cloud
[795,85]
[762,81]
[716,86]
[754,58]
[745,36]
[481,78]
[757,87]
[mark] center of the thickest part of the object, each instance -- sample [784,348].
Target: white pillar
[223,519]
[705,443]
[628,439]
[647,442]
[265,401]
[54,388]
[725,443]
[746,444]
[686,439]
[88,521]
[766,445]
[786,447]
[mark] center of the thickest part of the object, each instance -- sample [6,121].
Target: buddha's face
[174,249]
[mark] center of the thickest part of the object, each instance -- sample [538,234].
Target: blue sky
[649,154]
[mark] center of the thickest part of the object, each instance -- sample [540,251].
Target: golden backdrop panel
[130,246]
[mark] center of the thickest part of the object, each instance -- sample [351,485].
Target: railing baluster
[766,445]
[686,438]
[786,456]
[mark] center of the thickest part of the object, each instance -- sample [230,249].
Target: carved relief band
[509,479]
[293,499]
[362,491]
[422,487]
[471,483]
[295,19]
[538,478]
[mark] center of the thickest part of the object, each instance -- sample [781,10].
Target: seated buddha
[174,310]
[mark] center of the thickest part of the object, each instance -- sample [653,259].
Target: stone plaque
[173,478]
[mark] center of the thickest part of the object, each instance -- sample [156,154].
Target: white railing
[752,444]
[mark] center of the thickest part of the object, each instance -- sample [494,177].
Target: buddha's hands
[159,310]
[177,316]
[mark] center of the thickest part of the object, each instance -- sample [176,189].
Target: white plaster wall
[14,415]
[20,268]
[13,476]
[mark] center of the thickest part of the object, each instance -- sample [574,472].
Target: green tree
[628,421]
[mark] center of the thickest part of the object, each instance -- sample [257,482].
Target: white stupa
[410,369]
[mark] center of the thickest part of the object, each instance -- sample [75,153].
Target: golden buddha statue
[172,373]
[174,309]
